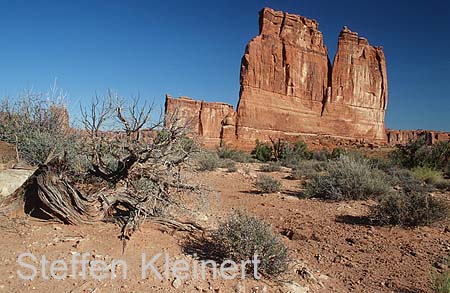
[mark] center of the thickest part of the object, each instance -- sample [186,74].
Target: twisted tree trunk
[48,194]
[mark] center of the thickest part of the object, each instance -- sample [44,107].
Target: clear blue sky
[194,48]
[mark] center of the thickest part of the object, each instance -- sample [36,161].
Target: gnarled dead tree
[131,171]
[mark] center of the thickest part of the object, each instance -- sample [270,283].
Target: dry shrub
[235,155]
[427,174]
[262,152]
[37,124]
[322,155]
[243,236]
[271,167]
[440,282]
[207,161]
[442,184]
[308,169]
[267,184]
[412,208]
[349,178]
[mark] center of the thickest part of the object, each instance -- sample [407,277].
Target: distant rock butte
[404,136]
[290,90]
[207,120]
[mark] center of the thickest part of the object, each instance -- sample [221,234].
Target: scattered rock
[11,180]
[306,274]
[350,241]
[293,234]
[337,259]
[176,283]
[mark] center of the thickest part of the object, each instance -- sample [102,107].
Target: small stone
[440,266]
[350,241]
[337,259]
[176,283]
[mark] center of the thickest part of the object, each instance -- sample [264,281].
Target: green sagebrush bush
[262,151]
[271,167]
[349,178]
[38,125]
[409,208]
[308,169]
[208,161]
[267,184]
[235,155]
[243,236]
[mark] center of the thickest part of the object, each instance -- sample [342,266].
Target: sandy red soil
[331,248]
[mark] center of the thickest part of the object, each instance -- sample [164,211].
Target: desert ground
[331,247]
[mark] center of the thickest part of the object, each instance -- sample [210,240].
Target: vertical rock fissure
[327,90]
[200,123]
[282,24]
[287,73]
[383,95]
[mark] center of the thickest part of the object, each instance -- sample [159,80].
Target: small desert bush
[442,184]
[263,151]
[308,169]
[246,170]
[447,170]
[383,164]
[207,161]
[243,236]
[146,188]
[337,152]
[235,155]
[232,168]
[267,184]
[322,155]
[278,148]
[427,174]
[225,163]
[228,164]
[348,178]
[413,208]
[440,282]
[291,155]
[37,124]
[271,167]
[405,179]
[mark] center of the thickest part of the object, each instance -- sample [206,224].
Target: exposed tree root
[48,194]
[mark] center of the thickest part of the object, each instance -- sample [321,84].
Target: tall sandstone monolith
[290,90]
[284,79]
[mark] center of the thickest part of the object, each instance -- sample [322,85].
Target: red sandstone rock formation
[208,121]
[284,78]
[404,136]
[289,89]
